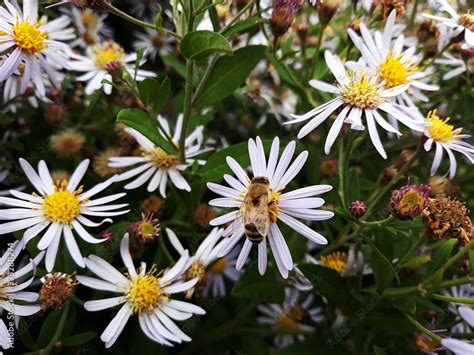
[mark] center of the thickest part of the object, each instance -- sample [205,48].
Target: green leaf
[441,255]
[49,327]
[416,261]
[140,54]
[378,350]
[244,26]
[153,93]
[383,259]
[23,331]
[148,91]
[327,282]
[78,339]
[229,73]
[198,45]
[259,288]
[141,121]
[404,304]
[471,260]
[174,63]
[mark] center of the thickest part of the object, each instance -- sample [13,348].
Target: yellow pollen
[144,292]
[439,129]
[467,21]
[285,322]
[195,271]
[89,18]
[393,72]
[336,261]
[161,159]
[219,266]
[62,206]
[362,93]
[29,38]
[106,53]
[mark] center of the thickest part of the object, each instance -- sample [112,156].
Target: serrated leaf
[416,261]
[141,121]
[229,73]
[198,45]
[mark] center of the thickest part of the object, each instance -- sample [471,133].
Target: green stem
[237,16]
[439,297]
[379,223]
[412,290]
[423,329]
[316,54]
[166,251]
[413,13]
[437,55]
[111,8]
[59,330]
[205,78]
[187,108]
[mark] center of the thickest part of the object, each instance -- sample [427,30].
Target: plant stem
[315,60]
[437,55]
[423,329]
[412,290]
[437,296]
[205,77]
[415,246]
[237,16]
[59,330]
[187,109]
[111,8]
[166,251]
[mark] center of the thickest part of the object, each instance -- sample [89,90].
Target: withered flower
[56,290]
[409,201]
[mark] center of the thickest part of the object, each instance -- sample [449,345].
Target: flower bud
[409,201]
[284,12]
[55,114]
[326,10]
[358,208]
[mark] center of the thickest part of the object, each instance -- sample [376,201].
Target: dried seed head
[67,143]
[447,218]
[55,114]
[56,290]
[443,186]
[203,215]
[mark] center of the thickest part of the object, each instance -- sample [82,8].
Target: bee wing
[258,215]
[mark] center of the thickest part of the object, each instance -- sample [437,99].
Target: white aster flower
[458,347]
[446,138]
[12,290]
[154,43]
[206,266]
[59,208]
[386,57]
[155,165]
[357,94]
[148,294]
[458,64]
[90,26]
[141,8]
[458,22]
[33,44]
[292,316]
[261,202]
[98,58]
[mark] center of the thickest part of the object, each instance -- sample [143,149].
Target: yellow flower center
[336,261]
[29,38]
[285,322]
[144,292]
[89,18]
[219,266]
[393,72]
[362,93]
[62,206]
[163,160]
[467,21]
[106,53]
[439,129]
[195,271]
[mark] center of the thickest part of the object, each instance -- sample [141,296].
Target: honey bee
[258,209]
